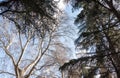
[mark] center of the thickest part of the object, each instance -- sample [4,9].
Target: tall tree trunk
[115,57]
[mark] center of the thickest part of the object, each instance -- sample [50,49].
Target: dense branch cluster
[99,33]
[34,15]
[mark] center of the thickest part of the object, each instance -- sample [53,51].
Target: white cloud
[61,4]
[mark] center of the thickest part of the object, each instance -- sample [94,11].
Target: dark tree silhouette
[30,15]
[99,23]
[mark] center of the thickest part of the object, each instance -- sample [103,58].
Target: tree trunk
[20,77]
[115,57]
[19,73]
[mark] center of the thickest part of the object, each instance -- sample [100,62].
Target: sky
[70,43]
[72,15]
[67,9]
[61,4]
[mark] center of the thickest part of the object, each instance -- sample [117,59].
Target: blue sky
[72,16]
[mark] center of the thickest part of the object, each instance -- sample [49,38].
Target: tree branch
[12,11]
[23,48]
[35,62]
[1,72]
[5,3]
[5,48]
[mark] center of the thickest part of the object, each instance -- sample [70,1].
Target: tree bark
[19,72]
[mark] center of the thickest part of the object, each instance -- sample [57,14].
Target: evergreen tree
[99,23]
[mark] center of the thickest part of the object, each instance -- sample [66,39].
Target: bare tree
[24,51]
[30,55]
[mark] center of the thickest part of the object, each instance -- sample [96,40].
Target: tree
[30,15]
[27,55]
[34,55]
[99,28]
[38,23]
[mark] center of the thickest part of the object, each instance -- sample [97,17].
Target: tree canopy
[34,15]
[99,33]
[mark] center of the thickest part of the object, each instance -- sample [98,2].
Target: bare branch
[36,59]
[35,62]
[4,72]
[8,53]
[23,48]
[5,48]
